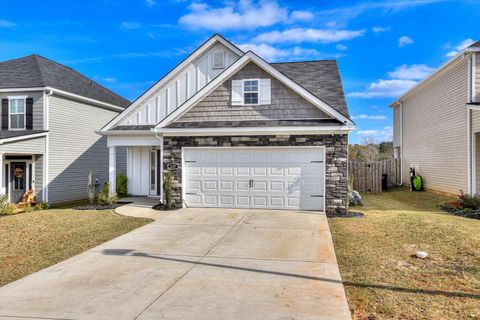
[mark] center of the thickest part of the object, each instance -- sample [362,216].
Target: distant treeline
[370,151]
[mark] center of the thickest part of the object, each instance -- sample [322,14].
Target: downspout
[160,137]
[46,124]
[469,126]
[400,105]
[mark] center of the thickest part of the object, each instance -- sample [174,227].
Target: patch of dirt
[162,207]
[350,214]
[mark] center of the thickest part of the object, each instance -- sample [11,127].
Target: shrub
[465,205]
[5,206]
[107,196]
[42,205]
[355,199]
[167,187]
[122,181]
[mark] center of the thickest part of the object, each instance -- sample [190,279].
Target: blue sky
[382,47]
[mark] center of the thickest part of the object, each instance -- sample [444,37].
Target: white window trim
[258,92]
[24,98]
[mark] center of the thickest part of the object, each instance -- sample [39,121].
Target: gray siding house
[48,143]
[238,132]
[437,126]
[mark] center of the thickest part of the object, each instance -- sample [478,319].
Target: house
[238,132]
[48,143]
[437,126]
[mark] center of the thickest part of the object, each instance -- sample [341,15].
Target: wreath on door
[18,172]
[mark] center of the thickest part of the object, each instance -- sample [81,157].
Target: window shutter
[29,113]
[264,92]
[4,114]
[237,92]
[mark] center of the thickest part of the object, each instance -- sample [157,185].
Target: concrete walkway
[141,207]
[194,264]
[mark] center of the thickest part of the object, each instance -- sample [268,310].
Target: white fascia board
[170,75]
[26,137]
[22,89]
[125,132]
[252,131]
[132,141]
[85,99]
[235,67]
[431,76]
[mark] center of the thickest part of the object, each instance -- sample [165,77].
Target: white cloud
[380,29]
[272,54]
[150,3]
[404,40]
[239,16]
[383,134]
[7,24]
[385,89]
[459,47]
[126,25]
[298,35]
[301,15]
[411,72]
[369,117]
[341,47]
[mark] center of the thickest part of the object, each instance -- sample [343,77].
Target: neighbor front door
[18,179]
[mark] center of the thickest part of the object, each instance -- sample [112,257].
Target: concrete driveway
[194,264]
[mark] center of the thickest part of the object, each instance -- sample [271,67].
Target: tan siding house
[435,125]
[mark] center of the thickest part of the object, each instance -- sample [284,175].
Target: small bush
[106,196]
[5,206]
[122,182]
[355,199]
[465,205]
[42,205]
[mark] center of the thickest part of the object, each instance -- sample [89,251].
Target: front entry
[18,181]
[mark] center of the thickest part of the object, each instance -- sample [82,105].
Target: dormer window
[219,59]
[250,91]
[16,113]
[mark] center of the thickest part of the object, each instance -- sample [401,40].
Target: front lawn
[384,280]
[35,240]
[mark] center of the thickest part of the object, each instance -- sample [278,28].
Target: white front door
[270,178]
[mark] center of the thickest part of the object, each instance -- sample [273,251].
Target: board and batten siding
[181,87]
[435,131]
[285,103]
[75,148]
[37,111]
[27,146]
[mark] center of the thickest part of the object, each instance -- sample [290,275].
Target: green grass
[35,240]
[382,278]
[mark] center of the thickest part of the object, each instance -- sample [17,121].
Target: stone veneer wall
[335,167]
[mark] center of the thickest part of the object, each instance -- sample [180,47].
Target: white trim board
[199,51]
[237,66]
[25,137]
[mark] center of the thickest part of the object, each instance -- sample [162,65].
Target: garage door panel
[276,178]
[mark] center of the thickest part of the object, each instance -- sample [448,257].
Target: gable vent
[219,59]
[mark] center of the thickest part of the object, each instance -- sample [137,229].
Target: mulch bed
[465,214]
[162,207]
[100,206]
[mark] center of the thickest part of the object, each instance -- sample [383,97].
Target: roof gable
[212,41]
[239,64]
[36,71]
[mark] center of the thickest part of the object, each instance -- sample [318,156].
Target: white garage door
[270,178]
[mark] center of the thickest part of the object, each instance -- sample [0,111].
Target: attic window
[219,60]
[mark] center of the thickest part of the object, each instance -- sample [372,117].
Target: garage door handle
[190,161]
[316,161]
[190,193]
[316,196]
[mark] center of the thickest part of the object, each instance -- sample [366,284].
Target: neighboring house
[238,132]
[437,126]
[49,115]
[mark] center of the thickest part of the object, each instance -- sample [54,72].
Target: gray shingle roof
[475,44]
[321,78]
[36,71]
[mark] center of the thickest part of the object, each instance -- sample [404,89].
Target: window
[16,111]
[250,91]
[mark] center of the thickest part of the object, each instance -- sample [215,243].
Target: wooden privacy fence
[367,175]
